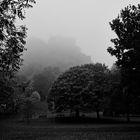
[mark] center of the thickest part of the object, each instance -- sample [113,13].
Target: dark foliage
[12,42]
[127,51]
[79,89]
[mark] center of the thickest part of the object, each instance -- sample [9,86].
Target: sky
[85,20]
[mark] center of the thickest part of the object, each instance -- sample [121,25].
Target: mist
[58,51]
[87,21]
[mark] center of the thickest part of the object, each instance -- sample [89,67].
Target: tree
[43,80]
[28,101]
[127,51]
[115,105]
[12,42]
[73,91]
[29,105]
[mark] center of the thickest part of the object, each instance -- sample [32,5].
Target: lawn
[51,130]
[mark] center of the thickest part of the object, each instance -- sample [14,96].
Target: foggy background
[65,33]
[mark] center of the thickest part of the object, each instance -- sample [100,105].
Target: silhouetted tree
[78,89]
[12,41]
[127,51]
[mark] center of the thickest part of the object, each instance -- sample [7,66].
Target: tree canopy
[12,37]
[126,45]
[77,89]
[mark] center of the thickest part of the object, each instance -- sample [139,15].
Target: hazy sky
[85,20]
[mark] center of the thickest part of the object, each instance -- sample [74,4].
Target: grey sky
[85,20]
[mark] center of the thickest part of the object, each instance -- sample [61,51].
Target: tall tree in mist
[127,51]
[43,81]
[12,42]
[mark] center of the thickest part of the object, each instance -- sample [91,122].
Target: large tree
[78,89]
[127,51]
[12,43]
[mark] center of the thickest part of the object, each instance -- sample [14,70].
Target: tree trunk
[128,113]
[77,113]
[98,115]
[127,93]
[128,109]
[70,112]
[128,117]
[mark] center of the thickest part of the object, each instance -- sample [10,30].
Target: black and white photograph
[69,70]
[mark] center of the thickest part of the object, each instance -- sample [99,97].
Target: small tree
[28,100]
[127,51]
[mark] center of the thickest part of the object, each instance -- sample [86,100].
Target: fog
[61,52]
[86,21]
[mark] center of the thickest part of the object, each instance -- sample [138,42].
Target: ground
[44,129]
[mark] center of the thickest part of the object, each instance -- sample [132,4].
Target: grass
[62,129]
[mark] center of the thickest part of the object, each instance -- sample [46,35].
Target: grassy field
[56,130]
